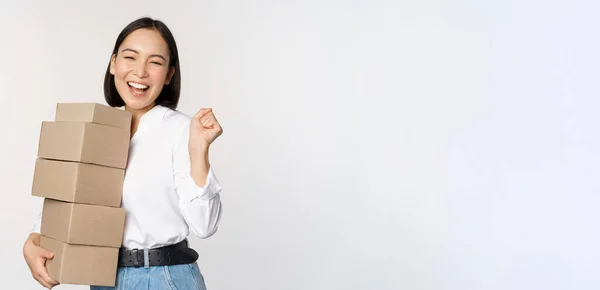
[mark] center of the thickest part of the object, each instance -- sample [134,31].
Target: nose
[140,71]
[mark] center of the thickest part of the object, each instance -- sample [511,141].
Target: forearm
[199,164]
[198,189]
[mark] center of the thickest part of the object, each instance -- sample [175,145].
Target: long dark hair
[169,96]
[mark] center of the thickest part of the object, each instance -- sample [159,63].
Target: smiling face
[141,68]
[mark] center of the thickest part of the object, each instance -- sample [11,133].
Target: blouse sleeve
[200,205]
[37,225]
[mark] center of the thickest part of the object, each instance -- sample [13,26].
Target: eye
[129,57]
[156,63]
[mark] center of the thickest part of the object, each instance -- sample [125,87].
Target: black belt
[175,254]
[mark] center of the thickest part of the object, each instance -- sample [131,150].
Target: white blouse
[163,203]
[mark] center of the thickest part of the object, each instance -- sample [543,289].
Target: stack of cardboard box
[80,171]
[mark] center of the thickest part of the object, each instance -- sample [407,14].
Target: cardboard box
[78,182]
[82,265]
[93,113]
[83,224]
[84,142]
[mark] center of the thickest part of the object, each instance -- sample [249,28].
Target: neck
[136,115]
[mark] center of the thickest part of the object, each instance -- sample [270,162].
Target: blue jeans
[176,277]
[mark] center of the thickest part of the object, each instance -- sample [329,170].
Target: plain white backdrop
[367,144]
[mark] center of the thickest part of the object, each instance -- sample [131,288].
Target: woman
[169,188]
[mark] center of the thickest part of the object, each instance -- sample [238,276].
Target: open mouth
[137,88]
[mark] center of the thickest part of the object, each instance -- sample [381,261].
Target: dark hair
[169,96]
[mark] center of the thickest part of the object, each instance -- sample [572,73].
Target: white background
[367,144]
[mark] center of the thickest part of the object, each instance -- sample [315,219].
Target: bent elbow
[210,227]
[206,233]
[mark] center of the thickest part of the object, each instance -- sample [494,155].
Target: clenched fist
[204,129]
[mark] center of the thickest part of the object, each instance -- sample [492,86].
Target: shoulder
[176,118]
[175,121]
[177,125]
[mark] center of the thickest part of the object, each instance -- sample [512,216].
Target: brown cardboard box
[83,224]
[84,142]
[93,113]
[82,265]
[78,182]
[80,171]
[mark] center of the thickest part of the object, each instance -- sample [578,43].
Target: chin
[137,103]
[137,99]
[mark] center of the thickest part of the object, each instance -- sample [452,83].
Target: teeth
[138,86]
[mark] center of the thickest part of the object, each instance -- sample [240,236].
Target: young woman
[170,188]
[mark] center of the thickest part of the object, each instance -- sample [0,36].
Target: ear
[170,75]
[113,59]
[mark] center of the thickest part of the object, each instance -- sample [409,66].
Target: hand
[36,257]
[204,129]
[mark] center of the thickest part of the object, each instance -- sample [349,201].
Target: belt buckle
[136,263]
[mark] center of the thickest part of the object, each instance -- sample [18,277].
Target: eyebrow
[135,51]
